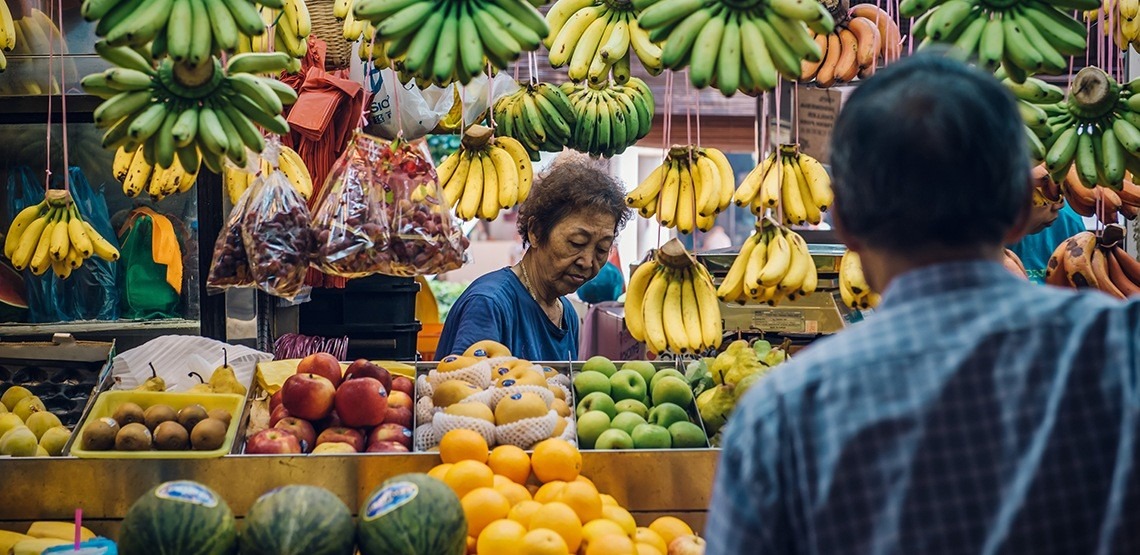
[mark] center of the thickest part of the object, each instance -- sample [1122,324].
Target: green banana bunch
[1038,104]
[609,118]
[200,114]
[597,37]
[1025,37]
[736,45]
[440,41]
[539,116]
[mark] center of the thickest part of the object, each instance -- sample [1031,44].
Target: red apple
[300,428]
[364,368]
[321,364]
[274,400]
[391,432]
[308,396]
[343,435]
[330,421]
[272,441]
[398,415]
[687,545]
[386,447]
[278,413]
[405,384]
[361,402]
[399,399]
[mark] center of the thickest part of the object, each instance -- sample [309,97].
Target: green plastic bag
[146,293]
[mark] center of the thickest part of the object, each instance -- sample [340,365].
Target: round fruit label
[508,383]
[109,421]
[516,396]
[503,370]
[390,498]
[480,353]
[451,358]
[187,492]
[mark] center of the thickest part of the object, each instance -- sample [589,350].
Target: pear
[223,380]
[41,422]
[54,440]
[3,409]
[19,442]
[9,421]
[41,452]
[13,396]
[202,386]
[153,383]
[27,406]
[715,405]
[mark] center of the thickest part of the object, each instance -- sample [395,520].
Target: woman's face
[574,253]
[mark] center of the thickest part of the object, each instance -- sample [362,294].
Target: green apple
[627,421]
[597,401]
[643,367]
[651,436]
[627,384]
[591,425]
[672,390]
[586,383]
[667,414]
[600,364]
[633,405]
[614,438]
[687,435]
[661,374]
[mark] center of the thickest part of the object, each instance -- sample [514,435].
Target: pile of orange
[519,504]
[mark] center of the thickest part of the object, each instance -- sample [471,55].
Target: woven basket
[331,30]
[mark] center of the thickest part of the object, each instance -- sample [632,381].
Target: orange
[543,542]
[581,478]
[439,471]
[611,544]
[471,546]
[500,538]
[556,459]
[463,445]
[669,528]
[649,537]
[562,519]
[549,491]
[609,500]
[522,512]
[598,528]
[514,493]
[646,549]
[622,518]
[584,499]
[465,476]
[510,461]
[483,506]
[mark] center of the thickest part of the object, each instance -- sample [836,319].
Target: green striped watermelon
[412,514]
[298,520]
[179,518]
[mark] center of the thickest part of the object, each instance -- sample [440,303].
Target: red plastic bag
[277,237]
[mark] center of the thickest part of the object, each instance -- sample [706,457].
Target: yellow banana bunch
[772,264]
[795,181]
[671,303]
[52,234]
[290,27]
[485,175]
[595,38]
[137,175]
[7,34]
[237,180]
[687,190]
[853,285]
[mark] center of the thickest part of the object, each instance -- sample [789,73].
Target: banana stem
[674,255]
[1092,92]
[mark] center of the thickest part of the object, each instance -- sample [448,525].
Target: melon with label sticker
[412,514]
[179,518]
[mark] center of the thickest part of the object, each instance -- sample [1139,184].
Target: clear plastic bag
[229,266]
[277,238]
[380,211]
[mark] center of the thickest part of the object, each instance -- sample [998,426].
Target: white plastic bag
[420,111]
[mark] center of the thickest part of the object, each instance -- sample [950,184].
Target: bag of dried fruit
[277,237]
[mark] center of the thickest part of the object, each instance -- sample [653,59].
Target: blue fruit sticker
[451,358]
[516,396]
[508,383]
[503,370]
[187,492]
[480,353]
[389,499]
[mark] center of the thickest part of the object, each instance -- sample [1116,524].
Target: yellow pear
[27,406]
[452,391]
[13,395]
[519,406]
[19,442]
[472,410]
[40,422]
[54,440]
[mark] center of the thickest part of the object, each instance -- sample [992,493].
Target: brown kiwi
[171,436]
[208,435]
[157,415]
[190,416]
[133,437]
[99,435]
[129,413]
[221,414]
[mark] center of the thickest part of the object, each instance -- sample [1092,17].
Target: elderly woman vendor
[568,223]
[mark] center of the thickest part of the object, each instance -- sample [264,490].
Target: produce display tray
[64,373]
[108,401]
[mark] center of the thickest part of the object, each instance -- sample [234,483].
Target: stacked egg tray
[64,373]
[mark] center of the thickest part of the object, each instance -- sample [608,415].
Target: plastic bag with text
[276,234]
[398,107]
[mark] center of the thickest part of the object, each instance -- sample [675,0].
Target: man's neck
[882,267]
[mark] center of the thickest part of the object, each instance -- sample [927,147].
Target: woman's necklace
[530,289]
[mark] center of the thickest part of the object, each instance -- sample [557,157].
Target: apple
[386,447]
[300,428]
[362,402]
[597,401]
[277,414]
[330,421]
[667,414]
[599,364]
[391,432]
[398,415]
[633,405]
[308,396]
[591,425]
[651,436]
[333,447]
[399,399]
[627,384]
[272,441]
[322,364]
[643,367]
[666,373]
[672,390]
[687,435]
[627,421]
[687,545]
[405,384]
[586,383]
[614,438]
[364,368]
[274,400]
[345,435]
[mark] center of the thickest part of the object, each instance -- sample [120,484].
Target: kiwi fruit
[190,416]
[100,435]
[157,415]
[129,413]
[133,437]
[220,414]
[171,436]
[208,435]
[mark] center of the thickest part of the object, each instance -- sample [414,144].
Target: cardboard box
[815,115]
[606,334]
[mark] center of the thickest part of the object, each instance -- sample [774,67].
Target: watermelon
[179,518]
[298,520]
[412,514]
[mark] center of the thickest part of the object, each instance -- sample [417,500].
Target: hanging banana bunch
[1038,103]
[137,175]
[487,174]
[853,287]
[687,190]
[773,264]
[236,180]
[792,181]
[671,304]
[540,116]
[864,36]
[595,37]
[52,234]
[7,34]
[1081,261]
[1125,27]
[290,29]
[609,118]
